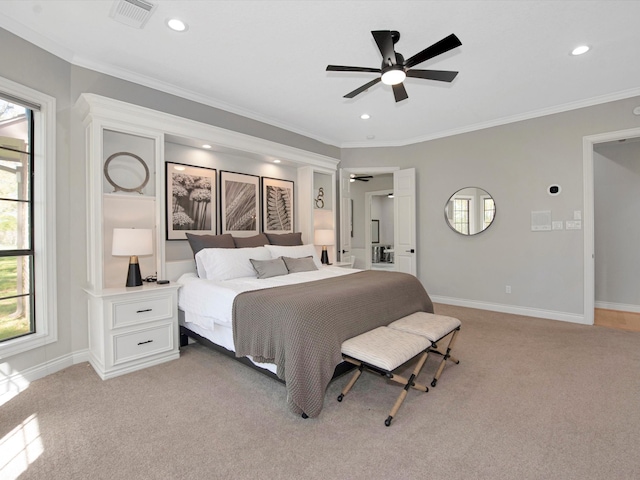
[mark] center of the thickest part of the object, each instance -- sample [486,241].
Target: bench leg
[409,383]
[353,380]
[446,357]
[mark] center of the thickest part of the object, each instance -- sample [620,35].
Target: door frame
[588,143]
[364,170]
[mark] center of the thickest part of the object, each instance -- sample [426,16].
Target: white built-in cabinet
[133,328]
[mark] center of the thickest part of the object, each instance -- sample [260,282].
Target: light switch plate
[573,224]
[557,225]
[577,215]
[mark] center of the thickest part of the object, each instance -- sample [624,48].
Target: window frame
[44,225]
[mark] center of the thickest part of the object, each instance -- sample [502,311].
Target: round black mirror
[470,211]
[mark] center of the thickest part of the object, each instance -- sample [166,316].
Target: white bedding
[208,302]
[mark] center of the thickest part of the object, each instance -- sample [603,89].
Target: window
[461,215]
[27,219]
[488,211]
[16,221]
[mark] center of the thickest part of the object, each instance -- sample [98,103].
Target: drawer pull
[142,343]
[145,310]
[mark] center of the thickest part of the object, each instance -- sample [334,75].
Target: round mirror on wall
[470,211]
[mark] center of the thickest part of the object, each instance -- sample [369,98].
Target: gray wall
[515,163]
[617,230]
[31,66]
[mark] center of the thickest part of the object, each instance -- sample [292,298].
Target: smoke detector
[134,13]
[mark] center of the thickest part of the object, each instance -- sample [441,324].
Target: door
[345,216]
[404,209]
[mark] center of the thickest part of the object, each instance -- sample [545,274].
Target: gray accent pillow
[303,264]
[269,268]
[198,242]
[259,240]
[286,239]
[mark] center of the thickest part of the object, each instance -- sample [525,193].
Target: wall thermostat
[554,189]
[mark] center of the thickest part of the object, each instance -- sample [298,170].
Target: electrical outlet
[507,289]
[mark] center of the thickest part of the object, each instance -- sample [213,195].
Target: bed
[291,324]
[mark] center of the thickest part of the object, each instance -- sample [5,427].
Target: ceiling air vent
[134,13]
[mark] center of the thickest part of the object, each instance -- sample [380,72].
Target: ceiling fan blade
[341,68]
[439,75]
[384,40]
[438,48]
[399,92]
[362,88]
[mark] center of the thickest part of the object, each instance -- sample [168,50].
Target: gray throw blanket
[301,327]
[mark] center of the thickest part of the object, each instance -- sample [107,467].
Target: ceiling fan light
[394,76]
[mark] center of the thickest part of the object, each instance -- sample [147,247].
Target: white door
[345,216]
[404,210]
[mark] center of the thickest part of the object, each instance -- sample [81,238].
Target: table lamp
[324,238]
[132,242]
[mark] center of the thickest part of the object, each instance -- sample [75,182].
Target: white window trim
[44,189]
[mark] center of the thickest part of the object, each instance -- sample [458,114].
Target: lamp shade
[132,241]
[324,237]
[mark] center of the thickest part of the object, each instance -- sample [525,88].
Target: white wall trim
[588,143]
[44,187]
[619,307]
[16,382]
[514,310]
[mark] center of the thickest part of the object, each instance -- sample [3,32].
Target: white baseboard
[16,382]
[620,307]
[497,307]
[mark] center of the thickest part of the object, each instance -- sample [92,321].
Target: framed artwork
[277,205]
[239,203]
[191,200]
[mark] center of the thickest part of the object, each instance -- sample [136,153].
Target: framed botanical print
[239,203]
[191,200]
[277,205]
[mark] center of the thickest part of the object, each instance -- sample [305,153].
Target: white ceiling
[266,59]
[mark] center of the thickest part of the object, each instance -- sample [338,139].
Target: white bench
[384,349]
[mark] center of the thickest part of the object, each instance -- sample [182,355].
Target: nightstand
[341,264]
[132,328]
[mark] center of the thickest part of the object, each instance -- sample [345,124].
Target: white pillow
[228,263]
[297,251]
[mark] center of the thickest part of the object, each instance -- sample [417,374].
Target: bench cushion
[385,347]
[429,325]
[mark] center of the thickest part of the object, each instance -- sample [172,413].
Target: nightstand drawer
[145,309]
[142,343]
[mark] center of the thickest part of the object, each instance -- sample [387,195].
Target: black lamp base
[324,258]
[134,279]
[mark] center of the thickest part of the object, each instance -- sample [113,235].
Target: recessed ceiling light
[177,25]
[365,116]
[206,145]
[580,50]
[276,161]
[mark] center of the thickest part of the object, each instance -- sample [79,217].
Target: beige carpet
[531,399]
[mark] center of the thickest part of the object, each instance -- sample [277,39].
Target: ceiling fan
[395,68]
[362,178]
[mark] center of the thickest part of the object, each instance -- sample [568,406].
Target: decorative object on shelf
[324,237]
[191,200]
[130,172]
[239,204]
[132,242]
[277,205]
[470,211]
[320,198]
[375,231]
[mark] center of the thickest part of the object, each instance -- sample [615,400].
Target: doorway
[620,315]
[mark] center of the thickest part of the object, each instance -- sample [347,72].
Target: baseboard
[614,318]
[16,382]
[497,307]
[620,307]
